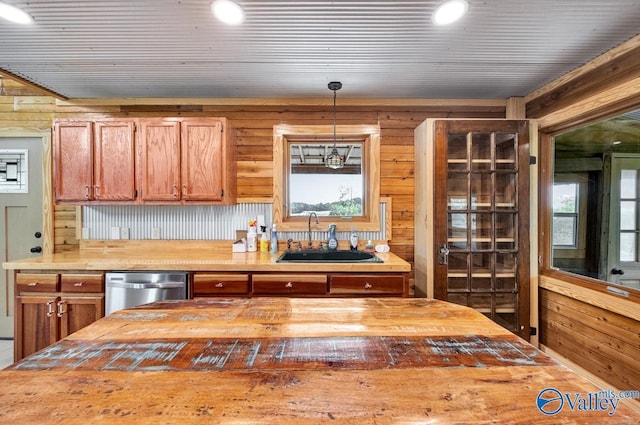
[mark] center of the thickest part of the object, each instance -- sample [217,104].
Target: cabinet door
[36,324]
[202,160]
[159,145]
[73,160]
[114,171]
[481,213]
[76,312]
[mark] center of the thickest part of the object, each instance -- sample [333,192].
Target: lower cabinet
[50,306]
[211,284]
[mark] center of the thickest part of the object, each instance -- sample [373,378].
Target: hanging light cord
[334,118]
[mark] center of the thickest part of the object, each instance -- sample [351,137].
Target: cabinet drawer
[36,282]
[80,282]
[285,284]
[362,284]
[205,284]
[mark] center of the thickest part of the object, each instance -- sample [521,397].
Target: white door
[21,216]
[624,221]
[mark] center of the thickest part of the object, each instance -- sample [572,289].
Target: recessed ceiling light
[450,11]
[13,14]
[228,12]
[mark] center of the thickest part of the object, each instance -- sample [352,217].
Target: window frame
[577,250]
[284,135]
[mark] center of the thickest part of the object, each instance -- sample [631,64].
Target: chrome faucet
[310,245]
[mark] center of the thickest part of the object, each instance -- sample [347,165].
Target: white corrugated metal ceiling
[378,49]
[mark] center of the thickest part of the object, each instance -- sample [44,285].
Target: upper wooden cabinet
[189,159]
[94,161]
[144,160]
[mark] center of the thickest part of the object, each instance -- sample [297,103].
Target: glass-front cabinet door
[481,218]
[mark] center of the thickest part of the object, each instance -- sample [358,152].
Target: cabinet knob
[219,285]
[289,285]
[367,285]
[32,284]
[78,284]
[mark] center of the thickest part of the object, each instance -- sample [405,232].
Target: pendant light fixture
[334,160]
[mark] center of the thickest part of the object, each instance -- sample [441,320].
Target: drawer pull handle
[32,284]
[367,285]
[219,285]
[50,308]
[289,285]
[78,284]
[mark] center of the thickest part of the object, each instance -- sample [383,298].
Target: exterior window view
[320,212]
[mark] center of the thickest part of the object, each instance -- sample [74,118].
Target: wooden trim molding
[612,69]
[627,307]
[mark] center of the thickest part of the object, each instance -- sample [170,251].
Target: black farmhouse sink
[341,256]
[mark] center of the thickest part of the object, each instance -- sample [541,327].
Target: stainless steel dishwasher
[130,289]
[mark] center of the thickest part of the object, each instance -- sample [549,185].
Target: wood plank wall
[254,135]
[605,343]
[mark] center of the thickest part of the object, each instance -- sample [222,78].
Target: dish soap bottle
[332,243]
[353,241]
[274,239]
[252,237]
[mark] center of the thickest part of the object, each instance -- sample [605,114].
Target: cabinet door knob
[289,285]
[32,284]
[78,284]
[219,285]
[367,285]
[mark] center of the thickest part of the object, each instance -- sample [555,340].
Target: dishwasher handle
[146,285]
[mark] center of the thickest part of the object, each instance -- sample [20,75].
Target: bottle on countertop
[274,239]
[262,238]
[353,241]
[332,243]
[252,237]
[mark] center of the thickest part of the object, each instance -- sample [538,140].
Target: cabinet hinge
[532,160]
[533,331]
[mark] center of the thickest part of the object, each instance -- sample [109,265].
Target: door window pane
[481,191]
[628,246]
[457,152]
[506,151]
[481,151]
[505,190]
[628,184]
[628,215]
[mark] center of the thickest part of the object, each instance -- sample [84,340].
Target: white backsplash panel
[192,222]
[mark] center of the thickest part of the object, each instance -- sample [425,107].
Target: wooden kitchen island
[292,360]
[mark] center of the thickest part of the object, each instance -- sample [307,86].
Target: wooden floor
[6,353]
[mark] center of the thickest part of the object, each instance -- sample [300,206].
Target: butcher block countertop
[294,360]
[190,256]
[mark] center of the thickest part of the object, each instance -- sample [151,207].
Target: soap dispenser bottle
[274,239]
[332,243]
[353,241]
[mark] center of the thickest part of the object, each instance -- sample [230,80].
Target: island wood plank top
[295,360]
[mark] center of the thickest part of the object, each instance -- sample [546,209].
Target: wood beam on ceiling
[38,88]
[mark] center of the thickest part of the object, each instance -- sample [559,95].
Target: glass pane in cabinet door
[457,151]
[457,233]
[506,191]
[481,151]
[457,265]
[505,231]
[505,271]
[481,191]
[481,231]
[457,298]
[506,149]
[505,310]
[457,284]
[481,271]
[457,191]
[481,302]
